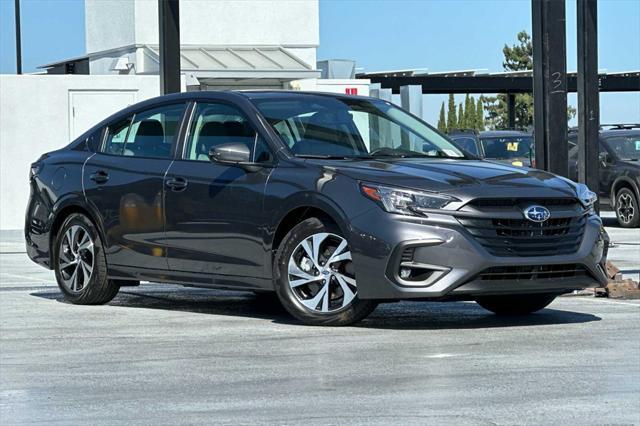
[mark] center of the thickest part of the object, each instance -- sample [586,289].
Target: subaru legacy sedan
[335,203]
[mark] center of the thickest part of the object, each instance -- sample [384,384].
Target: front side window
[625,147]
[148,134]
[218,124]
[117,136]
[507,147]
[315,125]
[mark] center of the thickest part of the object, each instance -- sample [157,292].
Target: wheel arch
[63,211]
[304,206]
[623,182]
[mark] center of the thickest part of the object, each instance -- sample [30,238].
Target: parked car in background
[508,146]
[468,140]
[316,197]
[619,176]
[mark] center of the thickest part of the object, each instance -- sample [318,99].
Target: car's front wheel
[627,210]
[516,305]
[80,263]
[315,278]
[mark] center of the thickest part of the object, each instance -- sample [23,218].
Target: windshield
[507,147]
[331,127]
[625,147]
[467,143]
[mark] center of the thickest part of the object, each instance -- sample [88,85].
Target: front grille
[521,237]
[515,202]
[533,272]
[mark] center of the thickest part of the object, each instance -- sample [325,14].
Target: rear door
[124,183]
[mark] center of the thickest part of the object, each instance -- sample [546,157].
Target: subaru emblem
[537,214]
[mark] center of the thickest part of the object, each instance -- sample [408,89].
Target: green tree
[452,121]
[469,112]
[442,121]
[517,57]
[479,115]
[461,122]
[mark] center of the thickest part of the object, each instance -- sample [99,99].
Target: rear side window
[148,134]
[218,124]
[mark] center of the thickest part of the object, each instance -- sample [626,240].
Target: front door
[214,212]
[125,184]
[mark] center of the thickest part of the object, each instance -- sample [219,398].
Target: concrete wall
[117,23]
[36,116]
[109,24]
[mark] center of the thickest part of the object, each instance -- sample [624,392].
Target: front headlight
[405,201]
[586,196]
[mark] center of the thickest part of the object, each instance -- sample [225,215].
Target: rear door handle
[100,176]
[176,183]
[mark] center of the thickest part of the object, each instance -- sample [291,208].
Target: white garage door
[89,107]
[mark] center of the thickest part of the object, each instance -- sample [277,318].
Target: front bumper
[456,266]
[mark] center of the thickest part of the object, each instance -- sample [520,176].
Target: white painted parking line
[26,277]
[613,301]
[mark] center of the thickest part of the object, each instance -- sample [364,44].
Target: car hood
[462,178]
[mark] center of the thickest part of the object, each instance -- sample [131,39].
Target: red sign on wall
[351,90]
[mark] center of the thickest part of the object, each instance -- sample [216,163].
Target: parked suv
[619,174]
[334,202]
[513,147]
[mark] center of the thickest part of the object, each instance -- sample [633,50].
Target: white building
[225,44]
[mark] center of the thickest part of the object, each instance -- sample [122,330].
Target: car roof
[503,133]
[619,132]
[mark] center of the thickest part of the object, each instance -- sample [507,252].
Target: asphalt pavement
[164,354]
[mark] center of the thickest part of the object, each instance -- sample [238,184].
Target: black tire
[353,312]
[98,289]
[516,305]
[627,208]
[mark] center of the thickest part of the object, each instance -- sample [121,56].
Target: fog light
[405,273]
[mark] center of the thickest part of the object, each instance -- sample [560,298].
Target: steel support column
[169,26]
[550,85]
[511,109]
[588,94]
[411,100]
[18,39]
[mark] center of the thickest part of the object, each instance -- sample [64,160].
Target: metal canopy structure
[479,82]
[244,61]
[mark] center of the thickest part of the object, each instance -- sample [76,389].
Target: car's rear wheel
[80,263]
[516,305]
[315,279]
[627,210]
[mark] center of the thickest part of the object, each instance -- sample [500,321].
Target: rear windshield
[507,147]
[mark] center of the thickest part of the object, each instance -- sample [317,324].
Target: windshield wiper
[326,156]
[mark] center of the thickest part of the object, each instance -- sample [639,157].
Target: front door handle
[176,183]
[100,176]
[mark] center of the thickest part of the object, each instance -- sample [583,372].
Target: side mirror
[233,154]
[604,158]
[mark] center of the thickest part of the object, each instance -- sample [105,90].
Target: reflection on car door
[214,216]
[124,183]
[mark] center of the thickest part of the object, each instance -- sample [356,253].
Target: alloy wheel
[625,207]
[320,273]
[76,259]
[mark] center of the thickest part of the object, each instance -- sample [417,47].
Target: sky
[439,35]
